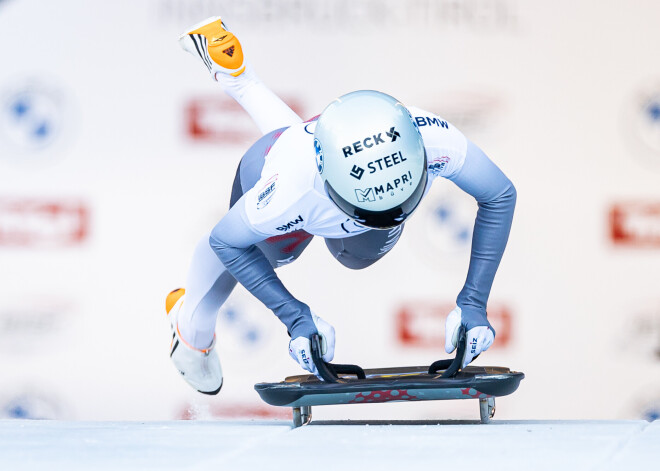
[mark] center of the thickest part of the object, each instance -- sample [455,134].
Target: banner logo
[28,223]
[635,224]
[422,324]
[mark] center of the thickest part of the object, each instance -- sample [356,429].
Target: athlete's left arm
[496,197]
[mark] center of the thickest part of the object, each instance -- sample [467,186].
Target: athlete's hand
[480,334]
[300,347]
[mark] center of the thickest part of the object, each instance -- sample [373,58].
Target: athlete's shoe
[215,46]
[200,368]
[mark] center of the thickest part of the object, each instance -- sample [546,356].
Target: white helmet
[371,158]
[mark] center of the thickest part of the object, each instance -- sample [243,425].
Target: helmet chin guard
[371,158]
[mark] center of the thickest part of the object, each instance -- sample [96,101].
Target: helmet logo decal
[319,155]
[369,194]
[365,195]
[393,134]
[370,141]
[357,172]
[386,162]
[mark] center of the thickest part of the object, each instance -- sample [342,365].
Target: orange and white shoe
[219,49]
[200,368]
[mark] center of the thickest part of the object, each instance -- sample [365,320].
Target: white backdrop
[117,153]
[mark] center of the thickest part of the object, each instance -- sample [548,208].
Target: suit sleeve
[233,240]
[496,198]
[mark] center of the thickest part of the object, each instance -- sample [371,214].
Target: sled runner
[350,384]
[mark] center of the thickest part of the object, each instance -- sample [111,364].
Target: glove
[300,347]
[480,334]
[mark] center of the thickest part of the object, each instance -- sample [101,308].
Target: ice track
[272,445]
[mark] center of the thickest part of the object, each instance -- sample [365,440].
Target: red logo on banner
[42,223]
[219,119]
[422,325]
[635,224]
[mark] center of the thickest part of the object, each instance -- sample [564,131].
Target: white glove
[300,347]
[479,338]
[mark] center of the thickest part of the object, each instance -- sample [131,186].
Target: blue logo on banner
[30,406]
[651,414]
[645,121]
[36,126]
[246,330]
[460,231]
[32,118]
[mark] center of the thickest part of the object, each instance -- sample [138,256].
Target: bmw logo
[34,118]
[319,155]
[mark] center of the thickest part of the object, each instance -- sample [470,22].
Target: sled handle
[451,367]
[329,371]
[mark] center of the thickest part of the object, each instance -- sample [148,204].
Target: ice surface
[271,445]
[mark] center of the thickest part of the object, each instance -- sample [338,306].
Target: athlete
[353,175]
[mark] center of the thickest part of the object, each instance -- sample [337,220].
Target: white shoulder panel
[278,203]
[445,145]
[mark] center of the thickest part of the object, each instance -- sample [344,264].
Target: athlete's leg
[364,249]
[265,108]
[222,54]
[207,287]
[209,284]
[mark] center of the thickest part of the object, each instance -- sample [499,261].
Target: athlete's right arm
[233,240]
